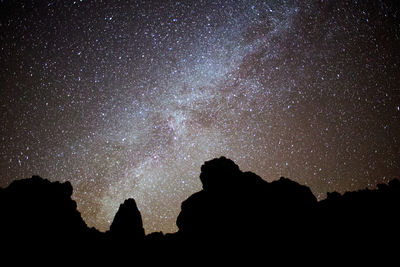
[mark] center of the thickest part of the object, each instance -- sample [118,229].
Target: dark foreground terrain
[237,215]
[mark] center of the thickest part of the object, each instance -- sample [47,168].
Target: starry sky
[129,98]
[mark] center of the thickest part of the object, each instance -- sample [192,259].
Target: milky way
[129,98]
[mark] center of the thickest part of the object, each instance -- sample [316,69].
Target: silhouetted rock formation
[363,219]
[39,220]
[37,208]
[127,225]
[238,211]
[235,211]
[236,207]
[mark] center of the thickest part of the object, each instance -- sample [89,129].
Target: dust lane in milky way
[128,99]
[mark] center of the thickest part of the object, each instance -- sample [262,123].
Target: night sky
[129,98]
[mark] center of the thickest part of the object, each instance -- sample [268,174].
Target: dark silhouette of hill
[366,220]
[31,208]
[126,234]
[240,205]
[38,217]
[236,213]
[127,224]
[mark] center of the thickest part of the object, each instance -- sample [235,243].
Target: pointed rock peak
[129,204]
[128,220]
